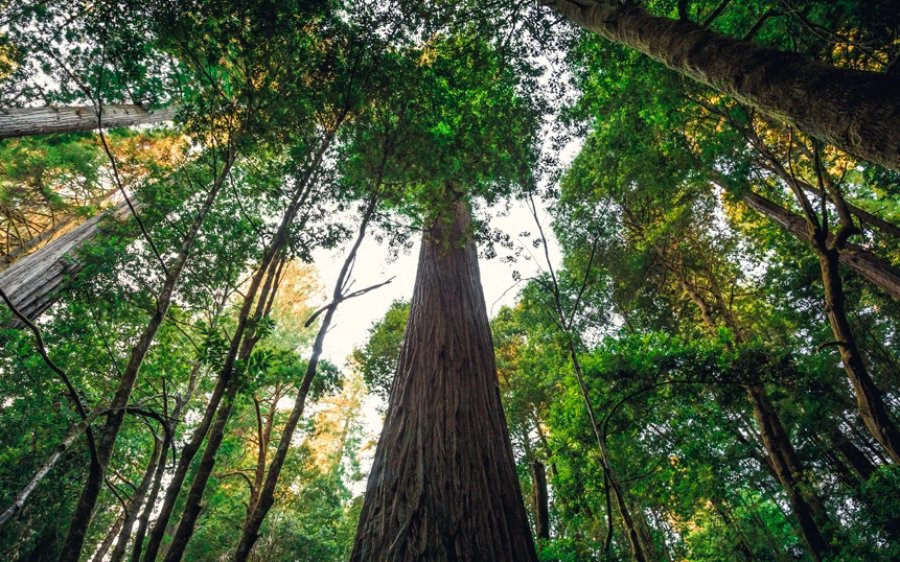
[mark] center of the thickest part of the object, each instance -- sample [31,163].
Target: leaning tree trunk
[263,498]
[34,281]
[443,485]
[805,503]
[856,111]
[869,398]
[26,121]
[109,433]
[866,264]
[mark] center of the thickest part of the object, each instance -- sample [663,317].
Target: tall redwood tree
[443,485]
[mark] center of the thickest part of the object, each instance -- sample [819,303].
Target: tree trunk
[26,121]
[541,500]
[33,282]
[443,485]
[136,503]
[265,497]
[873,269]
[114,530]
[807,507]
[193,502]
[869,399]
[239,349]
[854,110]
[109,432]
[212,427]
[853,456]
[20,499]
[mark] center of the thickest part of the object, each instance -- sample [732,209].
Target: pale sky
[353,318]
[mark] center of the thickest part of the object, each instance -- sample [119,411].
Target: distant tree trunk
[108,434]
[856,111]
[26,121]
[181,403]
[443,486]
[111,535]
[136,504]
[244,340]
[854,457]
[782,457]
[541,500]
[869,399]
[34,281]
[807,507]
[265,496]
[239,349]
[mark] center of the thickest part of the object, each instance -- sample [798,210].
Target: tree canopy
[710,370]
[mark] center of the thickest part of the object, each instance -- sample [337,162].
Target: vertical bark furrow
[443,485]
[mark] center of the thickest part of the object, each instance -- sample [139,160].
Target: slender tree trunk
[266,495]
[807,507]
[443,484]
[782,457]
[865,263]
[240,348]
[111,535]
[193,501]
[109,432]
[221,403]
[856,111]
[137,503]
[869,399]
[22,497]
[743,545]
[541,500]
[217,413]
[26,121]
[854,457]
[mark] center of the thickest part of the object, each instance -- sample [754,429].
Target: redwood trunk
[869,399]
[33,282]
[541,499]
[443,484]
[806,505]
[856,111]
[26,121]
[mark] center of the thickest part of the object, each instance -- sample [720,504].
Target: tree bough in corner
[856,111]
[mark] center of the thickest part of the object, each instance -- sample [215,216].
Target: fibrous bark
[443,484]
[34,281]
[856,111]
[26,121]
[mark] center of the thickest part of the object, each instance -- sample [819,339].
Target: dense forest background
[710,372]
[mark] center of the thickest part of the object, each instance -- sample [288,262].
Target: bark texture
[443,486]
[34,281]
[854,110]
[26,121]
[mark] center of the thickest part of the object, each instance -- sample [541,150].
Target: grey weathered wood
[33,282]
[26,121]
